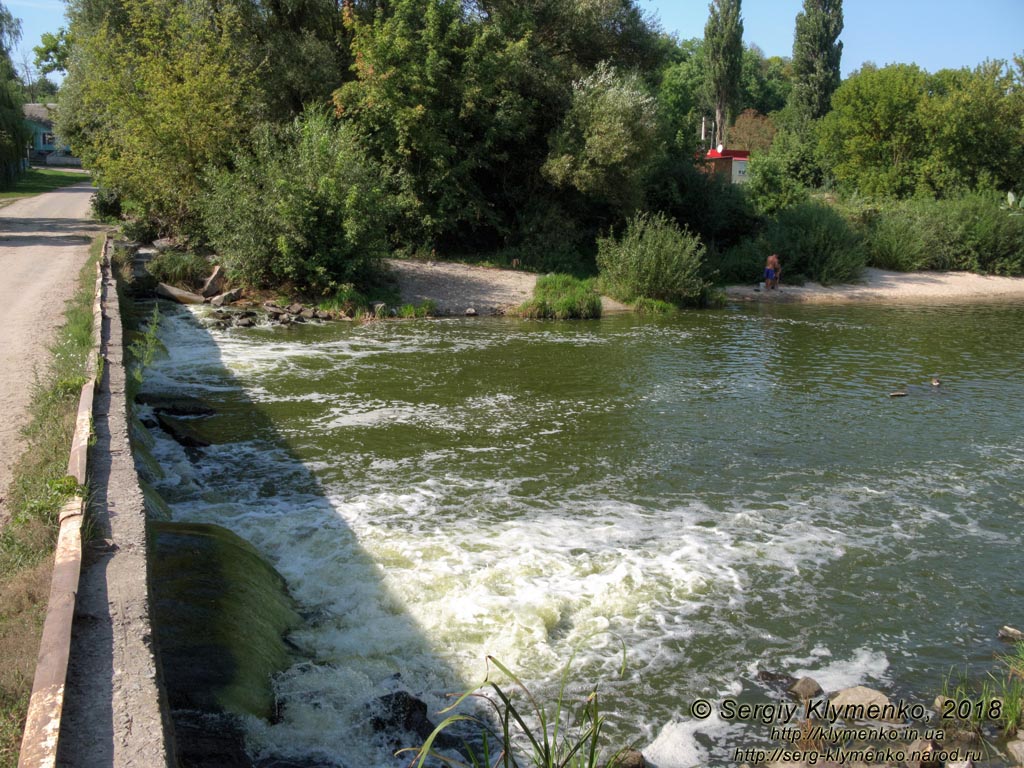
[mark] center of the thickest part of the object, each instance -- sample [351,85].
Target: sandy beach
[883,286]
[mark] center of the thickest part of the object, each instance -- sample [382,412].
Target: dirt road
[44,241]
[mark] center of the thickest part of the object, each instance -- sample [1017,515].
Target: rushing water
[723,492]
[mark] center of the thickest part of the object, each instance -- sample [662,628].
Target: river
[721,493]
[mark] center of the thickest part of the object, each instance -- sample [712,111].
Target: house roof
[40,113]
[739,154]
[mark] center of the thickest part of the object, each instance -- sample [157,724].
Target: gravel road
[44,241]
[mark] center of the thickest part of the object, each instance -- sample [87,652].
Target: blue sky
[934,34]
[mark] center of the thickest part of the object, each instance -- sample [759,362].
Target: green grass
[559,734]
[38,490]
[563,297]
[35,181]
[180,268]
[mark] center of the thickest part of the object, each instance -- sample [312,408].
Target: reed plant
[524,731]
[180,268]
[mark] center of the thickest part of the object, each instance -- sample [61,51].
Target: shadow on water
[241,592]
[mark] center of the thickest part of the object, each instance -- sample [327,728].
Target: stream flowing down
[721,493]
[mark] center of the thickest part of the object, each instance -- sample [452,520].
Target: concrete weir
[108,712]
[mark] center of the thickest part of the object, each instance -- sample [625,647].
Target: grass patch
[38,490]
[35,181]
[180,268]
[563,297]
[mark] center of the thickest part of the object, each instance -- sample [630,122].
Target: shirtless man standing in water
[772,270]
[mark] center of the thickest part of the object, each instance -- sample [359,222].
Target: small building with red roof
[731,163]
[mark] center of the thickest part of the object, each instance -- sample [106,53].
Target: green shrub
[106,204]
[655,259]
[303,205]
[180,268]
[967,233]
[814,242]
[562,297]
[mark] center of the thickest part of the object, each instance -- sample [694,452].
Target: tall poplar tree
[723,49]
[817,52]
[13,134]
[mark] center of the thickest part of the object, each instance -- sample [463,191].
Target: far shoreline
[885,286]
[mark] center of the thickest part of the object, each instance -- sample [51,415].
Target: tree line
[302,139]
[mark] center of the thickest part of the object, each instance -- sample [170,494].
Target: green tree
[13,133]
[53,52]
[682,96]
[150,102]
[608,140]
[723,49]
[817,52]
[873,140]
[973,128]
[765,83]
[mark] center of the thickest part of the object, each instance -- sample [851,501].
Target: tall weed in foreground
[525,730]
[655,259]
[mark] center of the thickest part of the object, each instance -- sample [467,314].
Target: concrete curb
[42,728]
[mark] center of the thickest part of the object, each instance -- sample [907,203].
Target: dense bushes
[813,241]
[655,259]
[303,206]
[967,233]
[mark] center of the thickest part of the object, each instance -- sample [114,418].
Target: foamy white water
[723,493]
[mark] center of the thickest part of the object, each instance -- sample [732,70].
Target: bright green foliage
[814,243]
[608,139]
[563,297]
[775,176]
[817,52]
[53,52]
[970,233]
[150,103]
[723,58]
[765,83]
[655,259]
[873,139]
[302,205]
[974,128]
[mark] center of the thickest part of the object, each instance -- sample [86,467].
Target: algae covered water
[721,493]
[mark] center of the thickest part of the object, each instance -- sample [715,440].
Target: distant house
[44,149]
[731,163]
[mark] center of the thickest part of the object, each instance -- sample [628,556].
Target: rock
[175,405]
[163,244]
[861,703]
[1011,635]
[181,431]
[295,309]
[923,753]
[631,759]
[1015,749]
[274,311]
[323,315]
[403,711]
[245,322]
[778,680]
[227,298]
[470,312]
[805,688]
[214,283]
[307,314]
[178,295]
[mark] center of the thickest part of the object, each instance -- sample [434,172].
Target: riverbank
[879,285]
